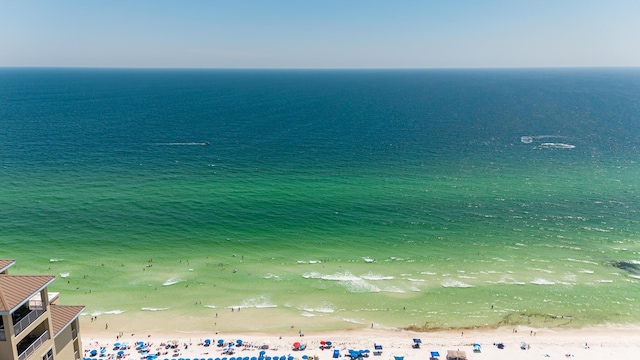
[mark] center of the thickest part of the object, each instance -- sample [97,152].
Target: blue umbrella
[305,357]
[262,352]
[254,358]
[120,352]
[239,342]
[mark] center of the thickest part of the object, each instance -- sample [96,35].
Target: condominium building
[32,325]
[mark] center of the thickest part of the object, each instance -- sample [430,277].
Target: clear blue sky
[320,34]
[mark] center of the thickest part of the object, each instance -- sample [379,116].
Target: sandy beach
[585,343]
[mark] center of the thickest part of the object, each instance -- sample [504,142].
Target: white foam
[110,312]
[306,314]
[351,282]
[368,259]
[635,276]
[427,273]
[64,275]
[272,276]
[416,280]
[260,302]
[451,283]
[551,145]
[375,277]
[506,279]
[323,310]
[586,271]
[153,309]
[540,281]
[54,260]
[605,281]
[172,281]
[211,306]
[309,261]
[184,144]
[352,321]
[393,289]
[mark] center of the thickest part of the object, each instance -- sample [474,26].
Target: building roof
[63,315]
[5,264]
[15,290]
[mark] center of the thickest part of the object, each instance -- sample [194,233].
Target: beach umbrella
[305,357]
[296,344]
[328,343]
[254,358]
[239,342]
[290,357]
[262,352]
[121,352]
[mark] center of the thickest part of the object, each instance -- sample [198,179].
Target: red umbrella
[323,342]
[296,344]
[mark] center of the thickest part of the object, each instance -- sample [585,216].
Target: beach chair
[477,348]
[377,350]
[434,355]
[416,343]
[398,357]
[336,353]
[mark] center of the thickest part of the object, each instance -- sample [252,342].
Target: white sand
[586,343]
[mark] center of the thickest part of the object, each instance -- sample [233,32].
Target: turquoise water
[443,198]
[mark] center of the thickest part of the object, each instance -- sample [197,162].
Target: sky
[320,34]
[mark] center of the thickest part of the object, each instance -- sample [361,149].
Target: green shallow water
[332,200]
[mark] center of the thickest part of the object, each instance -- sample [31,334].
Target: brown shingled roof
[63,315]
[17,289]
[5,264]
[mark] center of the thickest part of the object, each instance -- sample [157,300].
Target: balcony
[24,355]
[27,320]
[3,337]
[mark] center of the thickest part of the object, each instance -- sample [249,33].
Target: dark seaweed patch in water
[512,319]
[629,267]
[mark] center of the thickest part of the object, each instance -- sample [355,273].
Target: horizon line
[319,68]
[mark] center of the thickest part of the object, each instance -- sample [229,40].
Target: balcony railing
[27,320]
[3,337]
[74,333]
[76,355]
[34,346]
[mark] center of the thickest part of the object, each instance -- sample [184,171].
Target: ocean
[335,199]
